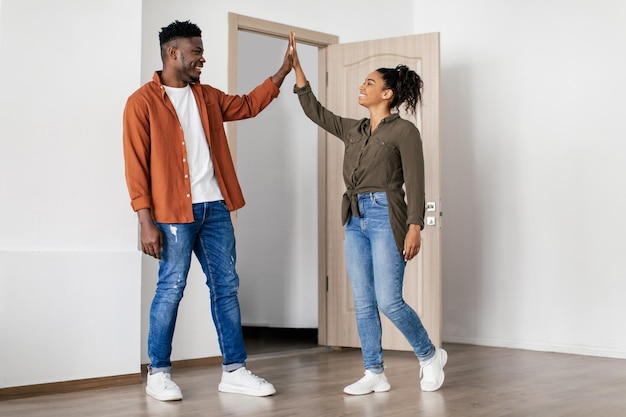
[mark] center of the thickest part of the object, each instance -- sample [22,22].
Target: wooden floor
[480,381]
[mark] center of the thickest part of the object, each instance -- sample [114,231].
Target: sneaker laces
[165,381]
[256,378]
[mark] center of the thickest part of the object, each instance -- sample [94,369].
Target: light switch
[431,221]
[431,206]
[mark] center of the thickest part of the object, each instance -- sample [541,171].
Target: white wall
[69,269]
[277,167]
[533,172]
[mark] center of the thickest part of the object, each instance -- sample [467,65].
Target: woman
[382,153]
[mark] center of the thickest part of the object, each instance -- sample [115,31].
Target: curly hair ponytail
[406,85]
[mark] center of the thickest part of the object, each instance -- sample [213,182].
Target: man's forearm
[280,75]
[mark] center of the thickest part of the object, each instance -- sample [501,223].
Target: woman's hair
[406,85]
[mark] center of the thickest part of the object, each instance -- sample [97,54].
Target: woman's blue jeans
[376,272]
[211,237]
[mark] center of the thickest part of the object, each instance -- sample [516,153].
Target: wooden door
[347,66]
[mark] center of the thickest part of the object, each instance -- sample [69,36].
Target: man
[182,184]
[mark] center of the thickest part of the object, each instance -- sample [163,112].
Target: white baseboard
[541,347]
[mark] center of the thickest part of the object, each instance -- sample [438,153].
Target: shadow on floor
[262,340]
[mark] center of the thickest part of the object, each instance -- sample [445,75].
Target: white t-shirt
[204,185]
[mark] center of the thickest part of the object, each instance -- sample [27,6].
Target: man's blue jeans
[376,272]
[211,237]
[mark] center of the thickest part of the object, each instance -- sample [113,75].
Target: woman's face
[373,91]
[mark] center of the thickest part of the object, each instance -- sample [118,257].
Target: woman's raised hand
[300,77]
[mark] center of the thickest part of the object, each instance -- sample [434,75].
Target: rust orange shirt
[155,156]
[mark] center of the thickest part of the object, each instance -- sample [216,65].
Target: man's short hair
[177,30]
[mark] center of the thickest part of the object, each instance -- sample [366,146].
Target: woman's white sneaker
[161,387]
[242,381]
[371,382]
[431,372]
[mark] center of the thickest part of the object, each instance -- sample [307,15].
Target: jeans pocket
[380,200]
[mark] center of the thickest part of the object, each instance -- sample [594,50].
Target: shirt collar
[156,78]
[390,118]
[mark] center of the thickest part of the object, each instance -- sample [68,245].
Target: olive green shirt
[382,161]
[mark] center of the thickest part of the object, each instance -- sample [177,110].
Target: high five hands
[287,64]
[300,77]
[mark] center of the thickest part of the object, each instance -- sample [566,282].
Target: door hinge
[326,283]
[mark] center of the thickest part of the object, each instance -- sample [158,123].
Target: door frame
[236,23]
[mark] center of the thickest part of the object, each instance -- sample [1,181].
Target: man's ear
[172,52]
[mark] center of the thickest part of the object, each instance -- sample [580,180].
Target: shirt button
[188,195]
[183,143]
[186,176]
[184,160]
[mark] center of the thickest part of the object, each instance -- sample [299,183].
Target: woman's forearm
[300,77]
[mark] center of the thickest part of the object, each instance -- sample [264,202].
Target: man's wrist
[279,77]
[145,216]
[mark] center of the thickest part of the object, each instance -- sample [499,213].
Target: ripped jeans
[211,237]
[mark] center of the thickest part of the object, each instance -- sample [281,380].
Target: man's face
[189,59]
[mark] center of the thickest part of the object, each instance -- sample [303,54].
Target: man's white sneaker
[242,381]
[431,372]
[161,387]
[371,382]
